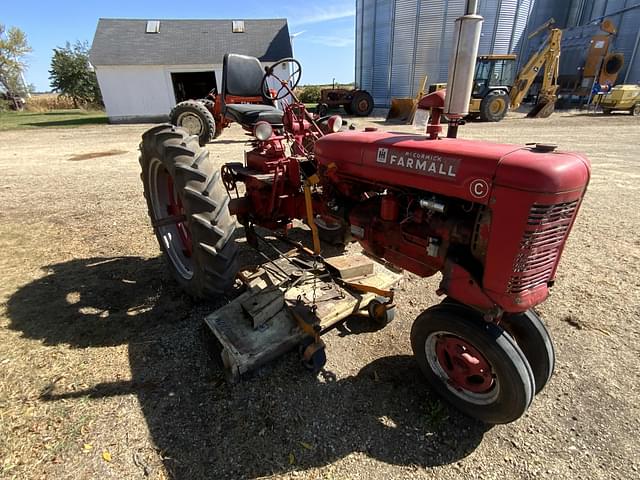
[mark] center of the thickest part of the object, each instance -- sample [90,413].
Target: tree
[71,74]
[310,94]
[13,48]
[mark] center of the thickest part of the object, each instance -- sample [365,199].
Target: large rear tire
[195,118]
[188,208]
[494,106]
[362,104]
[475,365]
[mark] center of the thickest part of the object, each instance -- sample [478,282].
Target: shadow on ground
[206,428]
[72,122]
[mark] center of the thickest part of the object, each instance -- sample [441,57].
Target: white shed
[145,67]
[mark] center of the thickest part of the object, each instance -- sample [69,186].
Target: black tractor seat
[242,77]
[250,114]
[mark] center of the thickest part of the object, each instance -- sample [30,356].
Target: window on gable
[153,26]
[237,26]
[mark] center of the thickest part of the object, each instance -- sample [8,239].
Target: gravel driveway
[104,373]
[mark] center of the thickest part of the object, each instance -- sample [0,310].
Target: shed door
[193,85]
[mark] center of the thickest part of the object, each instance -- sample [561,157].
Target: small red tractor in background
[493,219]
[354,101]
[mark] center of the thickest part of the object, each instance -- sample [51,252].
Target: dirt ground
[103,372]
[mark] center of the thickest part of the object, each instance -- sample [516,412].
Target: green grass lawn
[54,118]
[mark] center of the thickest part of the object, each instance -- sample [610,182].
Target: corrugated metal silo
[398,42]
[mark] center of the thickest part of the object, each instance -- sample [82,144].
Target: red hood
[465,169]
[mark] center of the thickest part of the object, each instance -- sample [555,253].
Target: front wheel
[533,338]
[494,106]
[635,110]
[322,110]
[188,208]
[476,366]
[194,116]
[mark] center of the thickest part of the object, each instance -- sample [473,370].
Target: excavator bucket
[543,109]
[404,109]
[401,109]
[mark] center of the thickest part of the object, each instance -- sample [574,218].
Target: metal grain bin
[398,42]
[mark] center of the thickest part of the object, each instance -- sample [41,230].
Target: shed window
[237,26]
[153,26]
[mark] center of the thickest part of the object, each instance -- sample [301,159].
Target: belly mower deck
[290,302]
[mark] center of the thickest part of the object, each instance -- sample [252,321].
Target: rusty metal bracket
[306,319]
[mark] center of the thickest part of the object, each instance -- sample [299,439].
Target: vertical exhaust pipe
[462,66]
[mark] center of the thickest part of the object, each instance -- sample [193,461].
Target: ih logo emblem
[383,153]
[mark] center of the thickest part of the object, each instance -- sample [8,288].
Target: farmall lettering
[419,162]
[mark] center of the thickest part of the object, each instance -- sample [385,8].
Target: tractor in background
[492,82]
[354,101]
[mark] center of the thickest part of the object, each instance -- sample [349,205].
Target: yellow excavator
[548,58]
[496,91]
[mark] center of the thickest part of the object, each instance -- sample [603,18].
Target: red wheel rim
[176,209]
[465,366]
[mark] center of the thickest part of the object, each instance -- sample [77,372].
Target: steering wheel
[285,85]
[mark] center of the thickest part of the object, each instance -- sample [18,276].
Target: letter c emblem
[479,188]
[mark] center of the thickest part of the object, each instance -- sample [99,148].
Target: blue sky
[325,48]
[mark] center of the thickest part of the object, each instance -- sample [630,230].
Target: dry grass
[46,102]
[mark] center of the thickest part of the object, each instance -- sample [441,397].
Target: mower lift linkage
[388,294]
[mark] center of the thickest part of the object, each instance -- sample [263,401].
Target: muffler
[462,66]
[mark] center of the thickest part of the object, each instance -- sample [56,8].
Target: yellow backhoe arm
[547,57]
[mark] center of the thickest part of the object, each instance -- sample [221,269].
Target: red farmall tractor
[493,219]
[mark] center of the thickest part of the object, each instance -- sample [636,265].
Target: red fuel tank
[465,169]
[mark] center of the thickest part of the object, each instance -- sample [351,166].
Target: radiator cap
[543,147]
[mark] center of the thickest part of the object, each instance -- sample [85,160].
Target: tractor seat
[250,114]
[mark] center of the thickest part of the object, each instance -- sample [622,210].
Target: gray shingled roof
[185,42]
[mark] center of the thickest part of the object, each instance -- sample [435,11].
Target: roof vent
[237,26]
[153,26]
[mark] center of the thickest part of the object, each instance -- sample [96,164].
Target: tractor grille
[545,234]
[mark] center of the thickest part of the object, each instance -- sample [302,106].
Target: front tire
[322,109]
[534,340]
[476,366]
[188,208]
[195,118]
[494,106]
